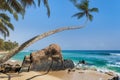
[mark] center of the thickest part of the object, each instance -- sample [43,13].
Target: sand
[59,75]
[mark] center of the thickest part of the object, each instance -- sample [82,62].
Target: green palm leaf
[94,10]
[90,17]
[83,5]
[4,30]
[79,15]
[15,16]
[26,3]
[4,16]
[39,1]
[8,24]
[47,6]
[16,6]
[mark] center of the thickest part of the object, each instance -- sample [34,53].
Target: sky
[103,33]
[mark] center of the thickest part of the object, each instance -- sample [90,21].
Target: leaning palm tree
[84,6]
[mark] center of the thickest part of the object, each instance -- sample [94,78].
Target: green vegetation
[15,7]
[7,45]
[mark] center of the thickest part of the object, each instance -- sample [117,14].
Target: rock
[17,68]
[68,64]
[115,78]
[49,58]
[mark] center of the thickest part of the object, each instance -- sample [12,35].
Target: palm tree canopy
[84,9]
[15,7]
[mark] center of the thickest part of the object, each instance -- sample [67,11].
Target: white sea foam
[118,63]
[114,65]
[115,54]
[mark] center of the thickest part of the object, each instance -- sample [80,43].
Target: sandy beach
[59,75]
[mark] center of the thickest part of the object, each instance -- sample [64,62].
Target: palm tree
[16,7]
[84,9]
[5,24]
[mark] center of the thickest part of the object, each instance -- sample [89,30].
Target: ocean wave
[115,54]
[113,65]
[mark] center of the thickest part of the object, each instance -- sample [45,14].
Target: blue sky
[103,33]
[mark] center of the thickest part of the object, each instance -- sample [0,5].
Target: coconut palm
[84,9]
[5,24]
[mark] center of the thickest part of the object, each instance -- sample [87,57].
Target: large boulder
[49,58]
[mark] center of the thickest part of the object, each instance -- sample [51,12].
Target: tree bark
[33,40]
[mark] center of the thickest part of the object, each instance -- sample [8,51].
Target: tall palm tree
[5,24]
[84,9]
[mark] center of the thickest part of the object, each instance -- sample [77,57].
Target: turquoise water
[107,59]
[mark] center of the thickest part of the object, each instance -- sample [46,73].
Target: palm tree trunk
[33,40]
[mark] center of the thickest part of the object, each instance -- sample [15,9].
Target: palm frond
[8,24]
[83,5]
[4,30]
[15,15]
[79,15]
[16,6]
[39,1]
[90,17]
[47,6]
[4,16]
[94,10]
[5,6]
[26,3]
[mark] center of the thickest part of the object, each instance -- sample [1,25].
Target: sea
[101,59]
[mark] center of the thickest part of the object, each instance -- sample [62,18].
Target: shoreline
[103,70]
[83,72]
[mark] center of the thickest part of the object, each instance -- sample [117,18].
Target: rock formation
[49,58]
